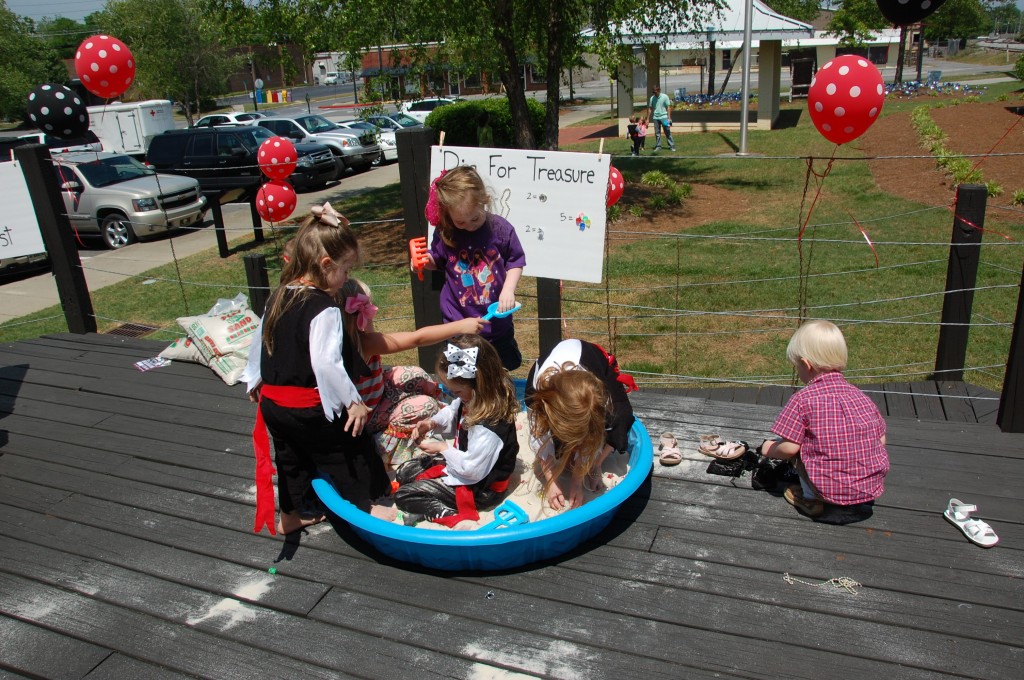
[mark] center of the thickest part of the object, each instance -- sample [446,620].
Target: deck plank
[126,546]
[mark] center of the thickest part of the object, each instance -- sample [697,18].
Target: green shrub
[636,210]
[459,121]
[993,188]
[658,202]
[614,213]
[1018,68]
[677,193]
[1018,197]
[655,178]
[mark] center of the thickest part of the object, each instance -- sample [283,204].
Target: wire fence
[711,305]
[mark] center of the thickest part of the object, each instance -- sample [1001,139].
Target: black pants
[636,145]
[305,442]
[508,350]
[432,498]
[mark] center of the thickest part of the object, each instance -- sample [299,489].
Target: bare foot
[594,481]
[388,513]
[465,525]
[293,521]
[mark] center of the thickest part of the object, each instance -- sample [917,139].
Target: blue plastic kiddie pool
[492,549]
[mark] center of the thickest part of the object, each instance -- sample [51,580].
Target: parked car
[385,138]
[215,119]
[122,200]
[394,121]
[225,158]
[352,148]
[23,264]
[330,79]
[87,142]
[421,108]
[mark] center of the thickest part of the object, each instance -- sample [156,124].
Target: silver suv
[356,149]
[122,200]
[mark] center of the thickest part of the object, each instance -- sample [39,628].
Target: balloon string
[972,225]
[821,183]
[998,142]
[866,237]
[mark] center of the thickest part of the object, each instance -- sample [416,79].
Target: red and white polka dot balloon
[845,98]
[616,186]
[105,66]
[277,157]
[276,200]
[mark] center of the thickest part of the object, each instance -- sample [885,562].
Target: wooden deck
[126,551]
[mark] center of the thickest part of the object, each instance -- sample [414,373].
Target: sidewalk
[109,267]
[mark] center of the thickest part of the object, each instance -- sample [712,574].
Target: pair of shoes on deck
[812,507]
[669,448]
[976,530]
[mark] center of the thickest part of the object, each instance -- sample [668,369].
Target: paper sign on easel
[19,230]
[554,199]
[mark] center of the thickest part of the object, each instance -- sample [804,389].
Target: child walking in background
[399,396]
[447,484]
[633,132]
[579,413]
[480,254]
[642,129]
[831,431]
[298,372]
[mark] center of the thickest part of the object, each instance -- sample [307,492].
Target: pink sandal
[724,450]
[669,447]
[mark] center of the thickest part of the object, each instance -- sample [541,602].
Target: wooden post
[549,312]
[259,282]
[414,175]
[213,200]
[1011,402]
[257,221]
[37,165]
[961,276]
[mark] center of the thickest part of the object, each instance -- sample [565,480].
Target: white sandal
[976,530]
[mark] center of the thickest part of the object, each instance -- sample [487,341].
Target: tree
[956,19]
[855,21]
[27,62]
[178,48]
[503,37]
[801,10]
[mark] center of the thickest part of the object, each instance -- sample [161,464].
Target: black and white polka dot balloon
[906,12]
[58,111]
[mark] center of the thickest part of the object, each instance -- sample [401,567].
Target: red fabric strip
[289,397]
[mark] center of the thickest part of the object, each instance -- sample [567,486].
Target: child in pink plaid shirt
[832,432]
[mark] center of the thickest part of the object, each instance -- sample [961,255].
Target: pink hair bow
[364,310]
[328,215]
[432,210]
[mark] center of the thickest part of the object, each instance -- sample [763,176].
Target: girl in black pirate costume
[579,413]
[446,484]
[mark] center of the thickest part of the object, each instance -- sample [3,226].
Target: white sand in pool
[527,487]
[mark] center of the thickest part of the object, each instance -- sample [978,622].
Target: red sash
[289,397]
[465,504]
[625,378]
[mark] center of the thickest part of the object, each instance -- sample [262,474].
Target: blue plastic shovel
[493,313]
[506,515]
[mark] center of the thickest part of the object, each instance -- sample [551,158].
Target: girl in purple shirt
[469,236]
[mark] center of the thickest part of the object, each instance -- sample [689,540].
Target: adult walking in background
[659,110]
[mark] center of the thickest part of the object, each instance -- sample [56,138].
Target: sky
[78,9]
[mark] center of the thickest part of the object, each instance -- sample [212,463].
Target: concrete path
[105,268]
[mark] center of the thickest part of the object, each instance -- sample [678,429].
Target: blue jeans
[665,125]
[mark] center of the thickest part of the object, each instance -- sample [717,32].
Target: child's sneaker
[811,507]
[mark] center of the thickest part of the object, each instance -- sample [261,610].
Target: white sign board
[19,230]
[554,199]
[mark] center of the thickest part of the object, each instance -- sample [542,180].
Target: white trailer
[128,128]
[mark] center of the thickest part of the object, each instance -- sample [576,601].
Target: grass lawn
[695,303]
